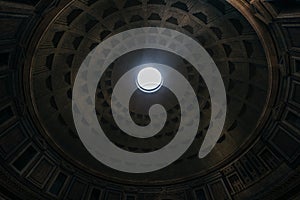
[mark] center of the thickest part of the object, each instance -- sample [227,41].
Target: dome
[66,65]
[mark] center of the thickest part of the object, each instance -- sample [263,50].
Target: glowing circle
[149,80]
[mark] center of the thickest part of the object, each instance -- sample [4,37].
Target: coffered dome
[255,46]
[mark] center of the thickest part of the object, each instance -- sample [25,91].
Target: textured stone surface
[255,45]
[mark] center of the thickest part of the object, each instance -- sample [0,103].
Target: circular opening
[149,80]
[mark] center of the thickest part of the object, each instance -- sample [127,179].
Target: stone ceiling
[255,46]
